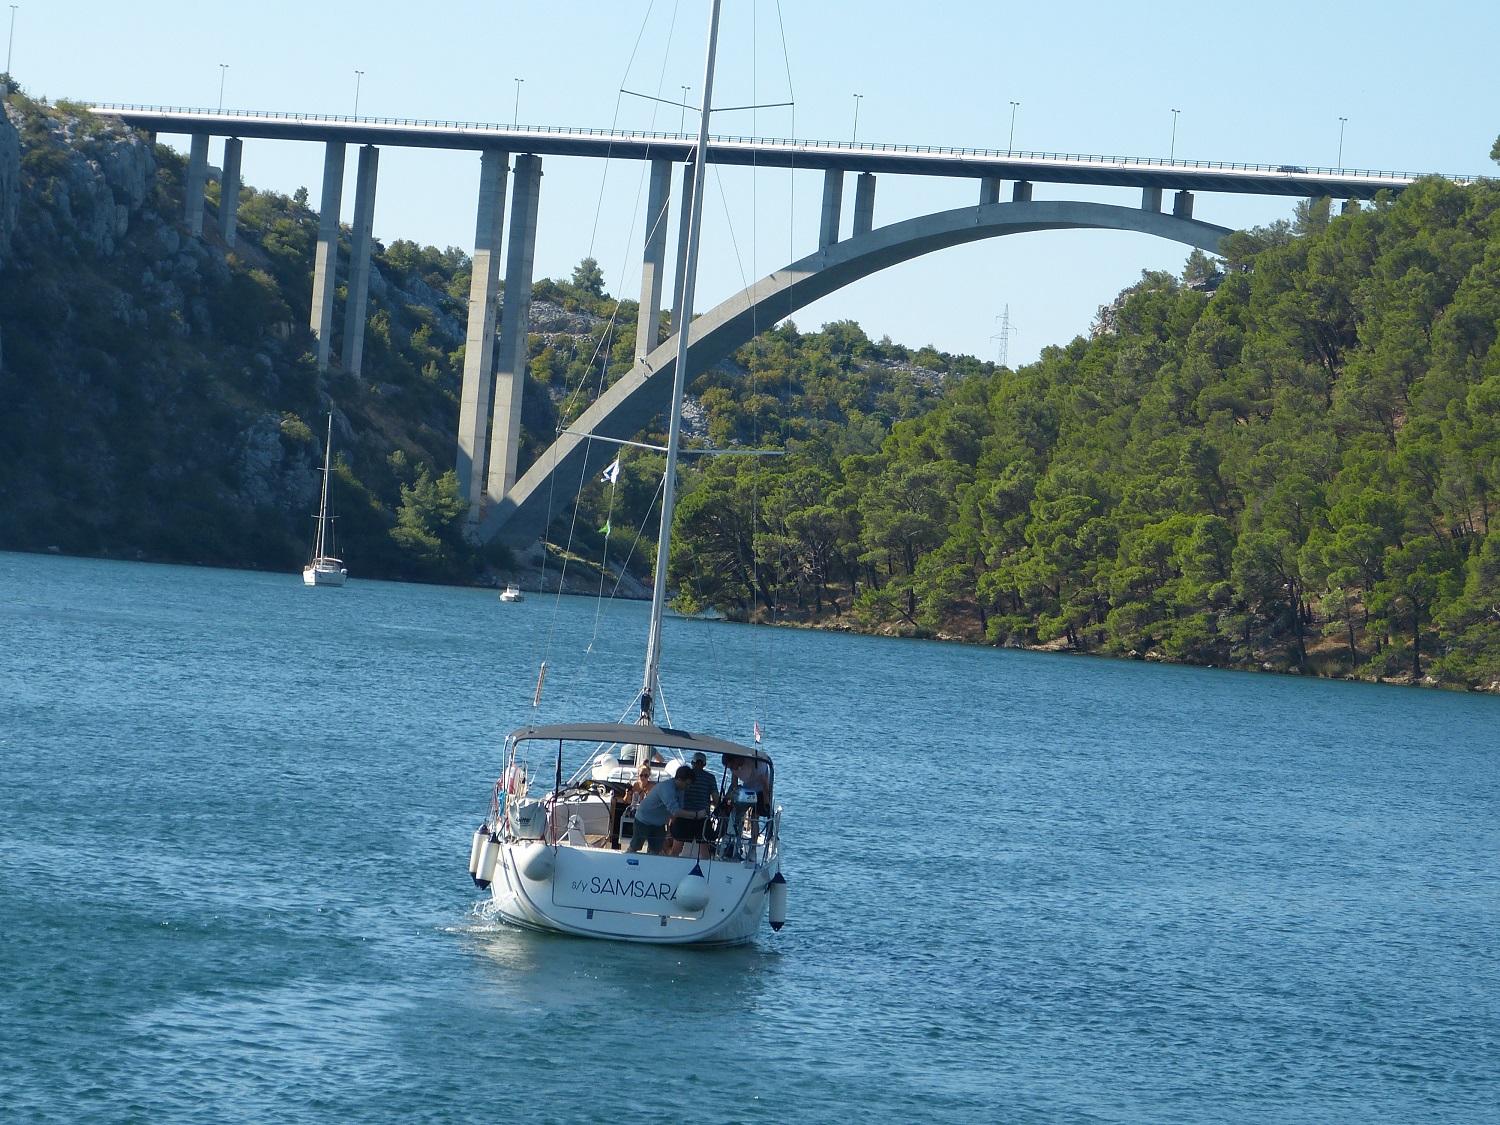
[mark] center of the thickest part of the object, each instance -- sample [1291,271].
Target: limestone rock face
[10,180]
[89,181]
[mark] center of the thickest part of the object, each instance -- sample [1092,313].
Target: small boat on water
[512,593]
[325,569]
[559,848]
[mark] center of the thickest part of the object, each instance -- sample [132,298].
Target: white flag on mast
[612,473]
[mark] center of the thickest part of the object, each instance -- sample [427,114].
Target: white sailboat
[553,849]
[325,569]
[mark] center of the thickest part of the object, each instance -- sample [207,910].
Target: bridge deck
[918,160]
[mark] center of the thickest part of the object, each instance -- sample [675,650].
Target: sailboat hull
[319,574]
[618,896]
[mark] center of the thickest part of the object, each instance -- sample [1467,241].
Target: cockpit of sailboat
[580,798]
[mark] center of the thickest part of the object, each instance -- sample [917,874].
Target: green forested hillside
[1296,471]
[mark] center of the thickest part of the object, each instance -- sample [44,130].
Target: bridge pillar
[229,190]
[360,233]
[658,200]
[515,313]
[1022,192]
[864,204]
[479,347]
[1182,205]
[1151,199]
[833,201]
[989,190]
[197,180]
[326,257]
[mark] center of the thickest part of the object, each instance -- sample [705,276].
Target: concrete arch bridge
[559,473]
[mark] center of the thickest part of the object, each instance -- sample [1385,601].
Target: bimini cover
[639,734]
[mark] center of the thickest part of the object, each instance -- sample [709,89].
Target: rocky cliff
[161,400]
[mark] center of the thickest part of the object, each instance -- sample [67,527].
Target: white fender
[480,836]
[777,888]
[489,852]
[537,862]
[692,892]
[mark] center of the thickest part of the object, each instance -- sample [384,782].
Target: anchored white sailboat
[325,569]
[555,849]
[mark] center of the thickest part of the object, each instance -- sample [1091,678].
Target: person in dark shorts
[697,803]
[660,805]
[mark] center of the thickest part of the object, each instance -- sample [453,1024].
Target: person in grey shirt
[660,805]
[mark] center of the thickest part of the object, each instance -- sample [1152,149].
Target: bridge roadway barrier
[917,160]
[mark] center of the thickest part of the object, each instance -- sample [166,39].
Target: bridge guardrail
[781,143]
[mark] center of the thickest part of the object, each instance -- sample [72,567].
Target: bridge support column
[1151,199]
[361,230]
[197,180]
[479,346]
[989,190]
[864,204]
[684,220]
[515,314]
[326,258]
[229,190]
[658,200]
[833,201]
[1182,205]
[1022,192]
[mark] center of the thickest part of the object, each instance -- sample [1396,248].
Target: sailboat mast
[322,546]
[679,377]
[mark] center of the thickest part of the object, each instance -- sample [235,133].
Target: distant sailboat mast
[649,691]
[321,550]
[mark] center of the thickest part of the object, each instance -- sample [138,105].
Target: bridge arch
[556,477]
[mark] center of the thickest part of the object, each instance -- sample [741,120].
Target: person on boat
[697,804]
[752,776]
[638,791]
[660,805]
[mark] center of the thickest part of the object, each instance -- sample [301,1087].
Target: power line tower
[1004,337]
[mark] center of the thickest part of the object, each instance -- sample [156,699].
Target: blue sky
[1264,82]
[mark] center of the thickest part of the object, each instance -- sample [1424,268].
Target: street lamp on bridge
[11,46]
[1172,153]
[515,120]
[855,135]
[682,117]
[1342,122]
[1010,145]
[223,73]
[359,77]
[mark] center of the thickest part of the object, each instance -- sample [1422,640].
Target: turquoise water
[235,817]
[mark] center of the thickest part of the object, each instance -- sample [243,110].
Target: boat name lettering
[634,888]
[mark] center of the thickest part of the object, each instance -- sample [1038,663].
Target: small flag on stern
[757,733]
[612,473]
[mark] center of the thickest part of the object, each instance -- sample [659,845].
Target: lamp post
[359,77]
[1172,154]
[682,118]
[516,117]
[223,73]
[11,45]
[1342,122]
[1010,145]
[854,136]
